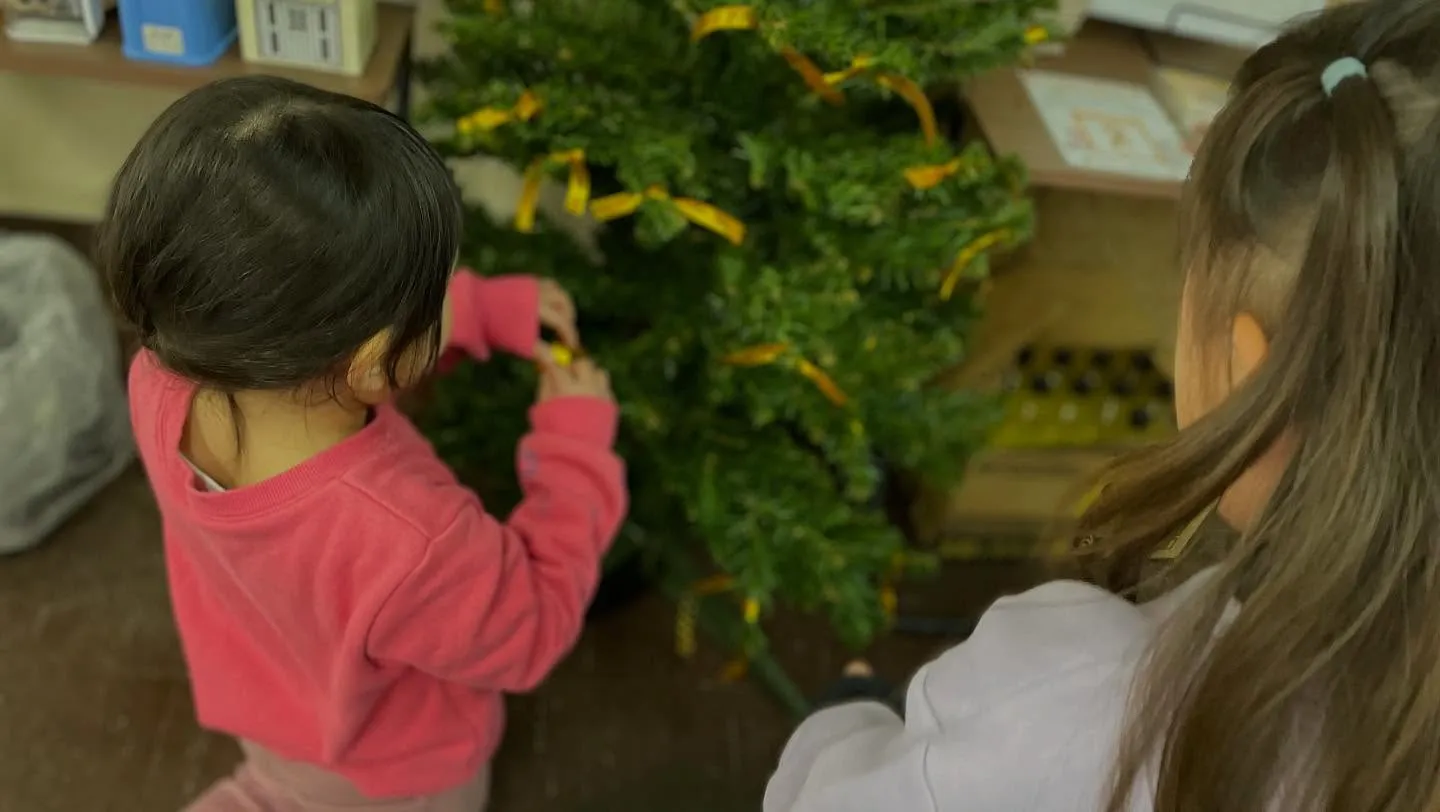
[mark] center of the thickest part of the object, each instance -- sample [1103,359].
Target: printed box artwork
[1106,126]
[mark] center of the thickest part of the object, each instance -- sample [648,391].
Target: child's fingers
[550,382]
[545,356]
[562,322]
[858,668]
[585,370]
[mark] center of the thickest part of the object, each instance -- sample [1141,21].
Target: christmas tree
[790,251]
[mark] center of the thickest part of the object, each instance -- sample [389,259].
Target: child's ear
[366,376]
[1248,348]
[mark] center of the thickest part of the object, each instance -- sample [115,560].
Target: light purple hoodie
[1025,715]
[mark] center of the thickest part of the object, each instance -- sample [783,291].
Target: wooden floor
[95,712]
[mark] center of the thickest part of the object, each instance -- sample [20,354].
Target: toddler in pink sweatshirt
[347,609]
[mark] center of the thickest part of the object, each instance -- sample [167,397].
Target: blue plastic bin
[180,32]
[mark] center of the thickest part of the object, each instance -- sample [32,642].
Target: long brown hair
[1319,214]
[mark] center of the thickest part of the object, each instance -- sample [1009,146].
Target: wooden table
[385,76]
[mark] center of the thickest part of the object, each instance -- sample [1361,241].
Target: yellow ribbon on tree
[489,118]
[623,204]
[916,98]
[826,85]
[967,256]
[858,65]
[725,18]
[577,189]
[688,610]
[1036,34]
[931,175]
[745,18]
[822,381]
[766,354]
[685,616]
[735,670]
[713,585]
[889,601]
[812,75]
[758,355]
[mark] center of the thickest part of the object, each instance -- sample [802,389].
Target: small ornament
[561,354]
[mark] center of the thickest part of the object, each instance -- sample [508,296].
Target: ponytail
[1314,207]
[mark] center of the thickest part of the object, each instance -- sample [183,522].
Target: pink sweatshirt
[1025,716]
[362,611]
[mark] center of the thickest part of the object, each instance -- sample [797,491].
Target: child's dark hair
[263,230]
[1313,207]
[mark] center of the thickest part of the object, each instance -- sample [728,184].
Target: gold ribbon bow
[622,204]
[967,255]
[577,189]
[489,118]
[766,354]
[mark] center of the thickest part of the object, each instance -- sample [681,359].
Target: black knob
[1140,418]
[1025,356]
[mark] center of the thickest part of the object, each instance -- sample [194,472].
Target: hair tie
[1346,67]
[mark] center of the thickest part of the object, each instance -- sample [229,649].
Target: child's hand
[581,379]
[557,311]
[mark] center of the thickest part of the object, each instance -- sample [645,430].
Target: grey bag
[64,425]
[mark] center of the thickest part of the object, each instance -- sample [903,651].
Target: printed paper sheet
[1106,126]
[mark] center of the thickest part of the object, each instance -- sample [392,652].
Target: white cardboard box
[336,36]
[1242,23]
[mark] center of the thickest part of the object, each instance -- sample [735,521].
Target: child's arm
[496,605]
[1023,715]
[494,313]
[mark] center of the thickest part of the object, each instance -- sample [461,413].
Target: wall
[62,139]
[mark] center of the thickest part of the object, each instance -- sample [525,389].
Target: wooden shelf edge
[104,61]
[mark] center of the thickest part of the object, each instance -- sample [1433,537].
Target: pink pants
[265,782]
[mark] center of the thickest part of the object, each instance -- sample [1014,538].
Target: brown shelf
[104,61]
